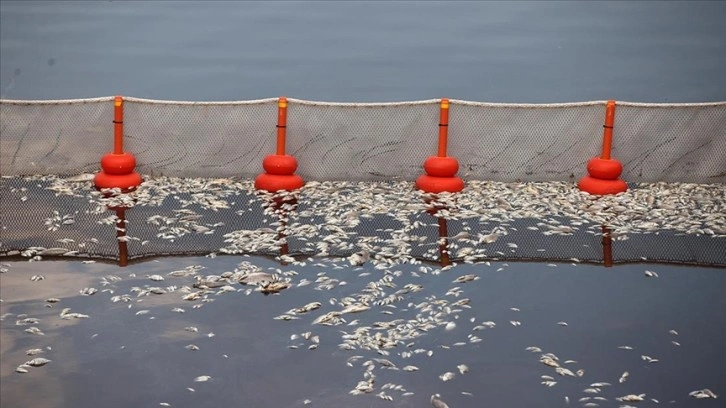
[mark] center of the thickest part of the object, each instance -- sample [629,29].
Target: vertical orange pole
[443,126]
[281,125]
[123,249]
[607,247]
[607,137]
[118,125]
[443,242]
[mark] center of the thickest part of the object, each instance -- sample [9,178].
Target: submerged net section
[47,216]
[367,142]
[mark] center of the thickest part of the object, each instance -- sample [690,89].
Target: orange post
[279,167]
[118,125]
[117,166]
[607,136]
[443,126]
[440,169]
[603,171]
[281,125]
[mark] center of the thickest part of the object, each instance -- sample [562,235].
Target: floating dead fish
[32,352]
[202,378]
[156,278]
[651,274]
[274,287]
[34,330]
[256,278]
[463,369]
[88,291]
[701,394]
[37,362]
[447,376]
[624,377]
[437,402]
[631,398]
[355,308]
[36,278]
[192,347]
[466,278]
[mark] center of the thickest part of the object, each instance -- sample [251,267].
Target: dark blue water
[365,51]
[116,358]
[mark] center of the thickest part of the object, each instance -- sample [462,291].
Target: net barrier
[519,161]
[366,141]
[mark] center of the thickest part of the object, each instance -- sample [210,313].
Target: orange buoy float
[603,171]
[280,167]
[441,170]
[117,167]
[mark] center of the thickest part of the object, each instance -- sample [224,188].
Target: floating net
[520,163]
[367,142]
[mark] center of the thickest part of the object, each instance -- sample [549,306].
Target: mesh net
[367,142]
[50,216]
[198,160]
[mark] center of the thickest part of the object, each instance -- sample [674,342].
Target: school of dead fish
[387,343]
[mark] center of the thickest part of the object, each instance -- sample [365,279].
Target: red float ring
[598,186]
[438,166]
[605,169]
[279,164]
[123,163]
[432,184]
[123,181]
[278,182]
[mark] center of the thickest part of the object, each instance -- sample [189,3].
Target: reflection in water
[136,340]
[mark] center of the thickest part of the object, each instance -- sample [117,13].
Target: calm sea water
[121,357]
[365,51]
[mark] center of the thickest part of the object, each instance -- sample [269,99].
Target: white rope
[55,102]
[161,102]
[363,104]
[670,105]
[527,105]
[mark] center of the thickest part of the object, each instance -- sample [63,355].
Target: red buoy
[117,167]
[441,170]
[603,171]
[280,167]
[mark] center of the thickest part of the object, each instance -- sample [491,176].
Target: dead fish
[355,308]
[202,378]
[37,362]
[88,291]
[437,402]
[651,274]
[274,287]
[701,394]
[447,376]
[466,278]
[256,278]
[631,398]
[463,369]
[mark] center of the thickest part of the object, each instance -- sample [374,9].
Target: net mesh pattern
[510,143]
[361,142]
[198,159]
[367,142]
[385,220]
[191,140]
[62,138]
[683,144]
